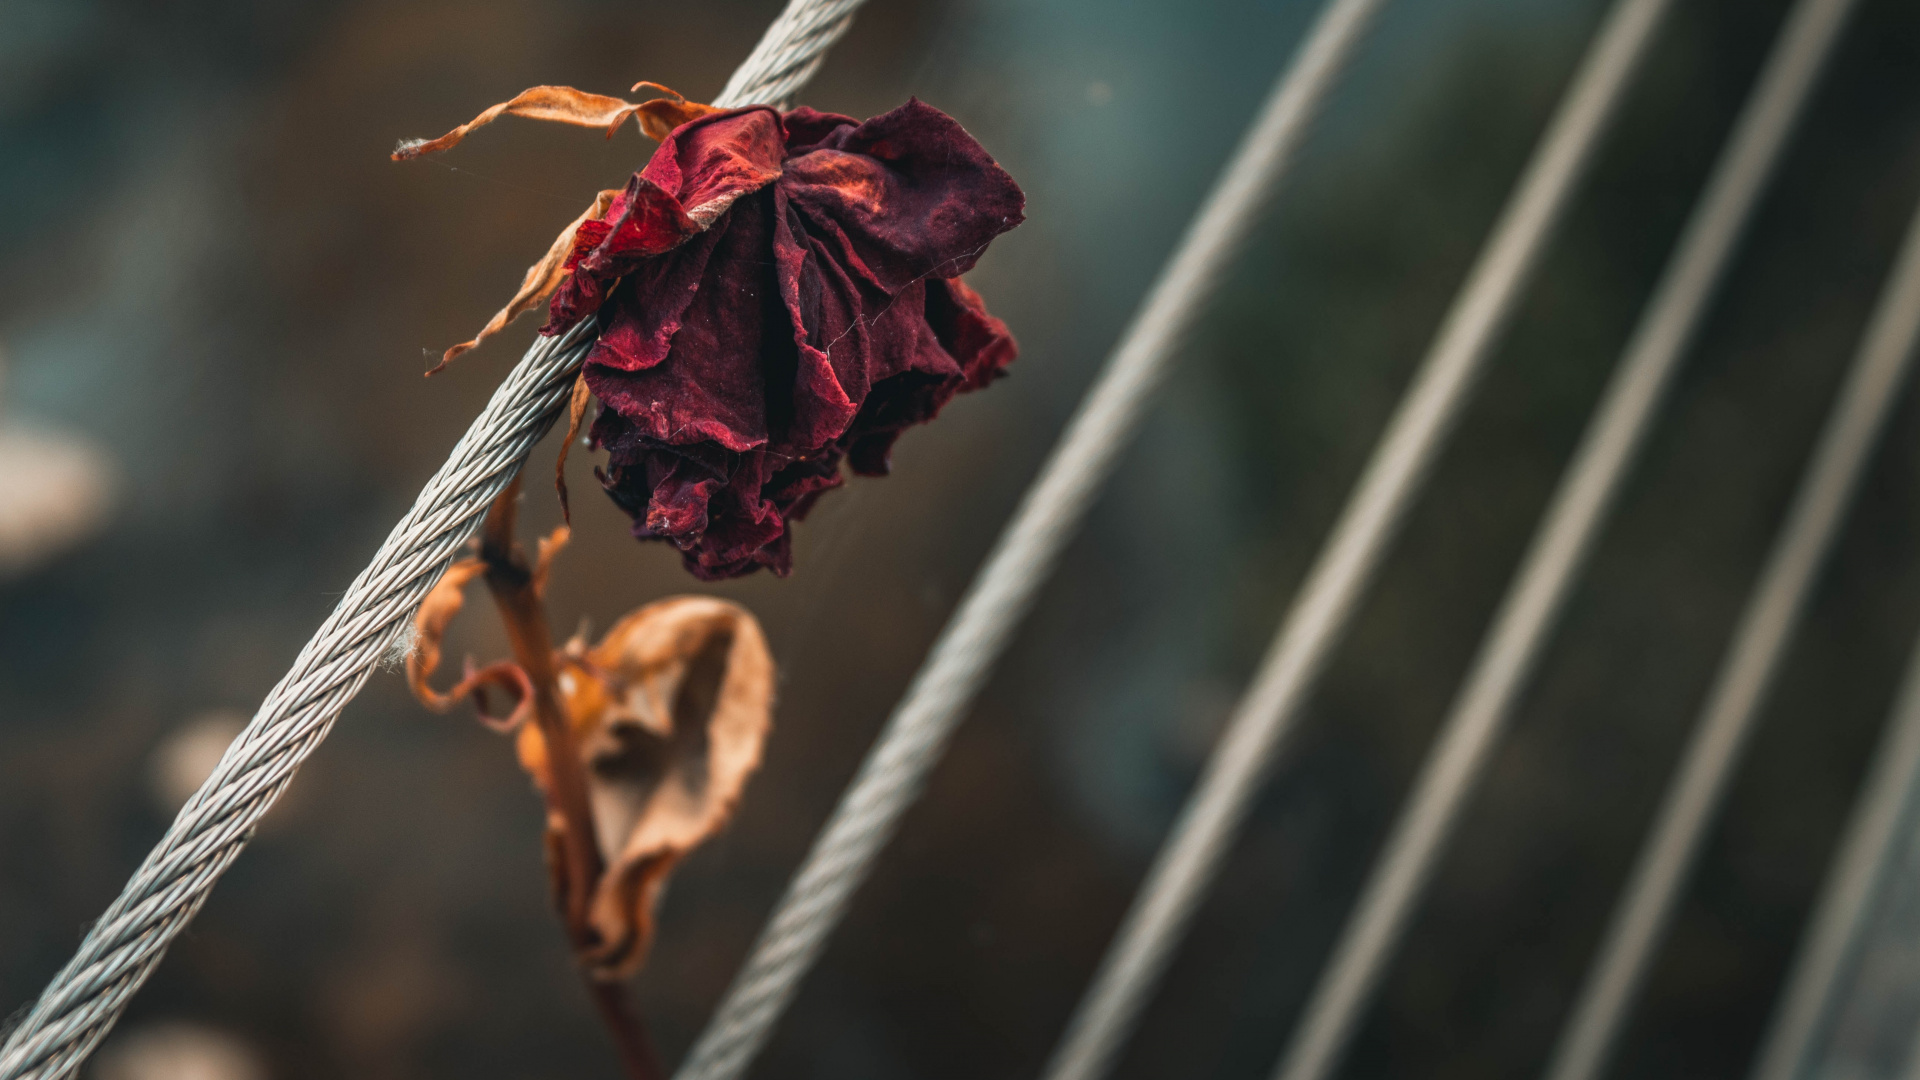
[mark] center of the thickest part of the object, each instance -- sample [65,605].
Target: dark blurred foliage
[207,262]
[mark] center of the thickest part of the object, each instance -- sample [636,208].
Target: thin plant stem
[511,581]
[629,1031]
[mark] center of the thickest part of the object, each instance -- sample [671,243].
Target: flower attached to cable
[778,292]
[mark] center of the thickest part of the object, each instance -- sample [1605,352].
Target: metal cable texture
[789,53]
[1190,857]
[1574,517]
[1049,514]
[121,949]
[118,953]
[1772,611]
[1832,933]
[1832,939]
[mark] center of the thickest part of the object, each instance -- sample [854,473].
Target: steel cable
[1190,857]
[1760,639]
[1832,937]
[120,951]
[1574,517]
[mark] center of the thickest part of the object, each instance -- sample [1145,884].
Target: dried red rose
[779,292]
[776,293]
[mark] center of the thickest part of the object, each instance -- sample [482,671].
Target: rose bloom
[779,292]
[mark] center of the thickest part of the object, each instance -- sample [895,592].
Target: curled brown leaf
[541,279]
[430,623]
[550,545]
[657,117]
[576,413]
[559,104]
[670,708]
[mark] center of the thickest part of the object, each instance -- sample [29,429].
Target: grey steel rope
[916,734]
[1574,517]
[1190,857]
[122,948]
[1772,610]
[789,53]
[1807,996]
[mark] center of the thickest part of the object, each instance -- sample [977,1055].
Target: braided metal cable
[121,950]
[791,50]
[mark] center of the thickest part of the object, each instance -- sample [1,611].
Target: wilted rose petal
[670,709]
[812,323]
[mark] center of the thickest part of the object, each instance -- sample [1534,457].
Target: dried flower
[667,714]
[669,711]
[777,292]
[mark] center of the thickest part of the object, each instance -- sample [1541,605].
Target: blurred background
[216,294]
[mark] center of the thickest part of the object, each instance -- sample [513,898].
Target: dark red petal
[977,348]
[640,320]
[979,342]
[698,373]
[694,176]
[806,127]
[708,163]
[811,324]
[906,195]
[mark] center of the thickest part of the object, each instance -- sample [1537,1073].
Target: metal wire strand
[1763,633]
[81,1004]
[916,734]
[1190,858]
[1832,935]
[789,53]
[1566,534]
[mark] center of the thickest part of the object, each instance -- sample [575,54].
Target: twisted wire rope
[1190,858]
[917,732]
[1574,518]
[1832,936]
[789,53]
[1773,609]
[122,948]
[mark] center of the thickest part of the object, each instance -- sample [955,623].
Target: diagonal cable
[1578,511]
[1028,549]
[1190,858]
[1762,636]
[121,950]
[1833,930]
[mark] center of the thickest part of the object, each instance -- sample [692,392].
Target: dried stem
[628,1030]
[511,581]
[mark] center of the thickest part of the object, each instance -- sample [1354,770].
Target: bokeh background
[215,297]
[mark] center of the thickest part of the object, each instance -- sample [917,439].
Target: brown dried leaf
[576,413]
[565,105]
[541,279]
[430,623]
[506,675]
[550,545]
[560,104]
[671,708]
[659,116]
